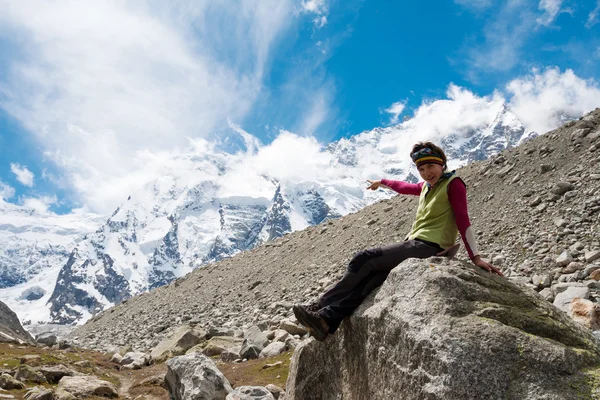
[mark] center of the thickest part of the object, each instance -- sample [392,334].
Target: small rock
[275,364]
[563,299]
[250,351]
[595,275]
[231,355]
[572,267]
[579,133]
[547,294]
[589,269]
[535,201]
[25,373]
[54,373]
[543,280]
[561,223]
[46,338]
[276,391]
[498,260]
[135,357]
[116,358]
[290,327]
[281,335]
[272,349]
[586,313]
[562,187]
[39,393]
[591,256]
[7,382]
[564,259]
[250,393]
[87,386]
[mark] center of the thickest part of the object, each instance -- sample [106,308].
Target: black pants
[366,271]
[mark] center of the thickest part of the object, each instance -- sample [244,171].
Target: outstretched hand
[487,266]
[374,185]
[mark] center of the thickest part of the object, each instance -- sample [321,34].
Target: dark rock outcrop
[440,329]
[11,330]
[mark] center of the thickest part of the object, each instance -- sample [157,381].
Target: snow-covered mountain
[33,248]
[213,204]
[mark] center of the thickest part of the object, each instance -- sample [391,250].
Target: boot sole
[302,317]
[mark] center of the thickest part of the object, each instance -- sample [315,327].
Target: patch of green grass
[251,372]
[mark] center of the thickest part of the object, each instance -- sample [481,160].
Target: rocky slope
[522,214]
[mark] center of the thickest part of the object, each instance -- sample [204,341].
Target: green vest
[435,220]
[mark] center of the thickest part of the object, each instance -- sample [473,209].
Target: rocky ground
[535,208]
[36,372]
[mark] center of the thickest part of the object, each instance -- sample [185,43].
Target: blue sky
[89,90]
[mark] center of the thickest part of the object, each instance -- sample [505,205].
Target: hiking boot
[316,325]
[314,307]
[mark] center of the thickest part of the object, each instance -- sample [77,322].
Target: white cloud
[40,204]
[99,83]
[538,99]
[477,5]
[320,21]
[593,16]
[314,6]
[23,175]
[6,191]
[458,114]
[542,100]
[551,9]
[288,158]
[505,35]
[317,111]
[395,110]
[318,7]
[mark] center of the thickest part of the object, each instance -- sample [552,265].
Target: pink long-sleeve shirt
[457,196]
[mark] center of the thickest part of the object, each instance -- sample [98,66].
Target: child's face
[431,173]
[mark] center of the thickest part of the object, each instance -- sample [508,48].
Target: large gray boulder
[195,377]
[11,330]
[444,329]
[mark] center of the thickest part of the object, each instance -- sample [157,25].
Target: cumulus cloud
[6,191]
[319,8]
[459,113]
[23,175]
[395,110]
[544,99]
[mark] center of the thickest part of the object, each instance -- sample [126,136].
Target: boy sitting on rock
[441,215]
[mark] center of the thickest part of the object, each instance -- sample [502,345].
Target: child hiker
[441,215]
